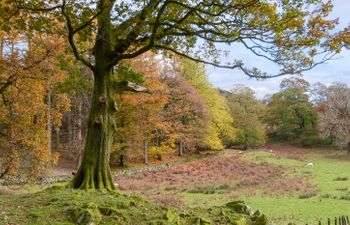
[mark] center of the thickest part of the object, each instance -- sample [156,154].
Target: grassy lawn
[331,199]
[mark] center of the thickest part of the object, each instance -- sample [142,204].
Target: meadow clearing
[274,180]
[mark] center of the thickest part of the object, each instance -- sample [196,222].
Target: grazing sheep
[310,164]
[270,150]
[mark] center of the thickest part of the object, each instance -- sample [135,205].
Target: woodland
[107,114]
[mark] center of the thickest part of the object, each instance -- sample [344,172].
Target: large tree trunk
[94,171]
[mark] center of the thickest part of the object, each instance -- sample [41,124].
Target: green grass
[331,200]
[64,206]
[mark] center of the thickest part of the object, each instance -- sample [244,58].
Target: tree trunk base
[90,178]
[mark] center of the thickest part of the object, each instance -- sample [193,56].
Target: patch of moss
[69,206]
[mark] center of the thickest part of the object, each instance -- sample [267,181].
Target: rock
[260,220]
[89,214]
[239,207]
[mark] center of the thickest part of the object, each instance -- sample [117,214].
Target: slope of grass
[64,206]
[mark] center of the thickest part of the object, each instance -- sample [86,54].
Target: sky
[337,70]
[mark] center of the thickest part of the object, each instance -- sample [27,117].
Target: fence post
[329,221]
[347,220]
[336,221]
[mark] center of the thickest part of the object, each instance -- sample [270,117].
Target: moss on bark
[94,171]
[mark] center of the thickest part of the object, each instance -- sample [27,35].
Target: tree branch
[254,72]
[71,32]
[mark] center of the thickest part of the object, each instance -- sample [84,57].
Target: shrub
[305,195]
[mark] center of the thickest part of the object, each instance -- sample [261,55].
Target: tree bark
[69,134]
[57,138]
[145,150]
[121,160]
[79,136]
[1,47]
[49,124]
[181,148]
[95,171]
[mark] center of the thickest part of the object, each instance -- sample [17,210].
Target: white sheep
[310,164]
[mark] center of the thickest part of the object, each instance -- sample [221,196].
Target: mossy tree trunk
[94,171]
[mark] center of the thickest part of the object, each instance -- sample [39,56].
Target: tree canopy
[296,35]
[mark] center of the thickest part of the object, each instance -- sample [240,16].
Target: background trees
[220,128]
[290,115]
[247,112]
[186,114]
[332,104]
[30,103]
[140,118]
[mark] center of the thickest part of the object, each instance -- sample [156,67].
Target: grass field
[330,199]
[274,180]
[277,182]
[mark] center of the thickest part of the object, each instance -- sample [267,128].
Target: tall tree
[292,34]
[186,114]
[247,111]
[290,115]
[140,113]
[333,107]
[220,128]
[30,103]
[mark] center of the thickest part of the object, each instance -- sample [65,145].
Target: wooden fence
[341,220]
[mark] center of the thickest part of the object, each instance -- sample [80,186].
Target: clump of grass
[341,179]
[342,189]
[210,189]
[170,189]
[326,196]
[223,187]
[306,195]
[345,197]
[204,190]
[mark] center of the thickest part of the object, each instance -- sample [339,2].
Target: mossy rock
[242,221]
[239,207]
[260,220]
[87,215]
